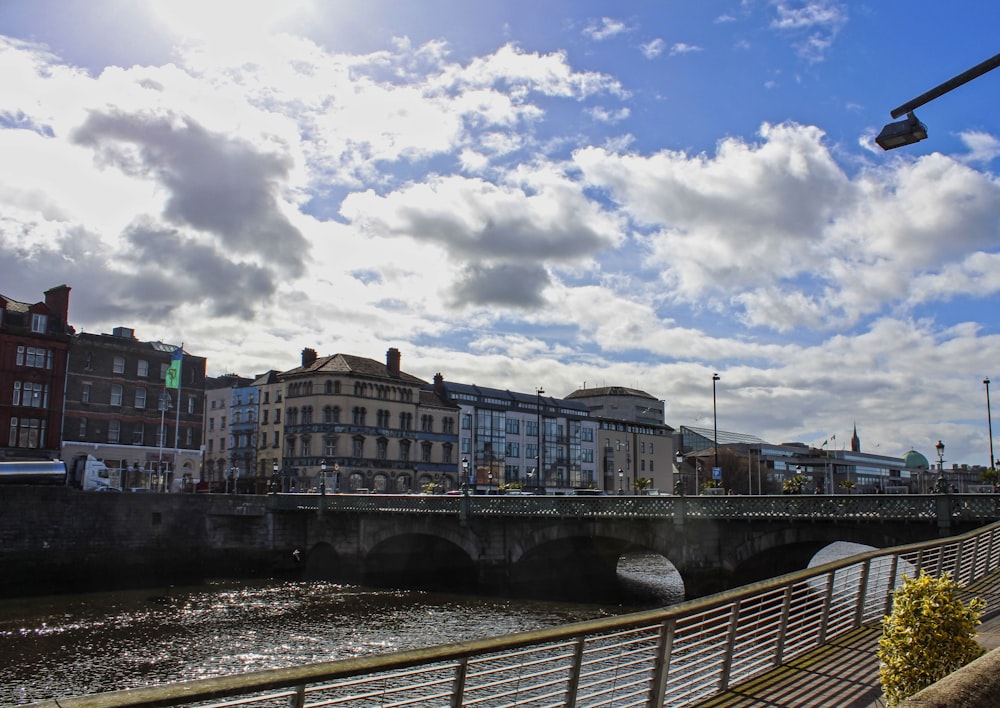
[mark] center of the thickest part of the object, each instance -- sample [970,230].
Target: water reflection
[77,644]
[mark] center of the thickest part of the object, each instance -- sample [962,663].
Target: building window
[513,426]
[116,394]
[189,438]
[190,404]
[119,365]
[330,447]
[425,451]
[114,430]
[305,447]
[140,398]
[277,416]
[358,447]
[82,432]
[222,422]
[404,450]
[39,323]
[142,369]
[85,393]
[16,395]
[35,395]
[26,432]
[446,452]
[307,415]
[138,433]
[276,442]
[263,417]
[381,449]
[358,416]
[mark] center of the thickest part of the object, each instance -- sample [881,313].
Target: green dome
[915,461]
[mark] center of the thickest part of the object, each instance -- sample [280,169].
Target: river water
[57,646]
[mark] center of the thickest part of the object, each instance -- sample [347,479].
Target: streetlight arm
[949,85]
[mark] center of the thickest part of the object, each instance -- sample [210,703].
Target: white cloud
[683,48]
[605,28]
[653,48]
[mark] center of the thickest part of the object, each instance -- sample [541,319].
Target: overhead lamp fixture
[902,132]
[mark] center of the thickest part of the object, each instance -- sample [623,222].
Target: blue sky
[524,194]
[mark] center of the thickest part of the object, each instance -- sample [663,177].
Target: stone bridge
[59,539]
[569,546]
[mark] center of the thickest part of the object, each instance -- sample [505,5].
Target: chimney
[439,389]
[392,361]
[57,300]
[308,357]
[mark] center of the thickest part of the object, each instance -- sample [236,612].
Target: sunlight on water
[62,646]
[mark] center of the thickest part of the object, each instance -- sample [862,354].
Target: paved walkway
[844,673]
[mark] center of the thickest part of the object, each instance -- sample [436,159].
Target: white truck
[85,472]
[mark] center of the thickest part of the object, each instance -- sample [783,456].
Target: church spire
[855,440]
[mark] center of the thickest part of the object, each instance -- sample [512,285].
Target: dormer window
[39,323]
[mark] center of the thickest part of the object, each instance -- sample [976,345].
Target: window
[277,416]
[39,323]
[381,449]
[138,433]
[190,404]
[358,416]
[114,430]
[236,418]
[27,432]
[513,426]
[163,371]
[82,432]
[305,447]
[446,451]
[142,369]
[31,395]
[358,447]
[140,399]
[267,397]
[404,450]
[189,438]
[276,442]
[263,418]
[222,422]
[119,365]
[425,452]
[330,447]
[307,415]
[116,394]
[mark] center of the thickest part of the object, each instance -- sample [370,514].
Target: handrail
[676,655]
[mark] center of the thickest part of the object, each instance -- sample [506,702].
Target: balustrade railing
[674,656]
[961,507]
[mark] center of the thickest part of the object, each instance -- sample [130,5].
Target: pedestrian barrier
[675,656]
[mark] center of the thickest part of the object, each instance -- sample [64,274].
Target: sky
[522,194]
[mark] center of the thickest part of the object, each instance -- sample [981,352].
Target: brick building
[34,341]
[118,409]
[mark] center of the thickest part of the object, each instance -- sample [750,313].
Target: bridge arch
[788,549]
[419,560]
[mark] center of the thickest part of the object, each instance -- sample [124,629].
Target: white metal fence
[674,656]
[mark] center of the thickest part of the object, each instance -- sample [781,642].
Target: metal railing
[864,507]
[674,656]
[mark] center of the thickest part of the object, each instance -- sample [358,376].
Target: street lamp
[715,419]
[274,478]
[465,475]
[322,482]
[909,131]
[679,484]
[489,487]
[989,419]
[942,483]
[621,480]
[541,433]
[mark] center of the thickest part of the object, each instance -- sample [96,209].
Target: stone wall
[55,539]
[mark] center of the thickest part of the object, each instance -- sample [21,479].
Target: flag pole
[177,423]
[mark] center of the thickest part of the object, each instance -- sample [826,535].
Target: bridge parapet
[945,508]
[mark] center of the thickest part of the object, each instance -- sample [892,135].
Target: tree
[929,634]
[642,484]
[847,484]
[794,485]
[990,476]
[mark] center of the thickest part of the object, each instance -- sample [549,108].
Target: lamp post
[322,481]
[621,481]
[911,130]
[679,484]
[489,486]
[541,434]
[274,478]
[465,475]
[715,420]
[942,483]
[989,419]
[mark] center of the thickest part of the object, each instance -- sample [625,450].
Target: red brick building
[34,345]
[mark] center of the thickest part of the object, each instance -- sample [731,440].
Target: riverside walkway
[844,672]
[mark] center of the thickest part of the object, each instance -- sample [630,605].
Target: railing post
[863,593]
[944,512]
[458,686]
[297,699]
[661,669]
[779,642]
[894,568]
[680,510]
[573,685]
[727,654]
[827,601]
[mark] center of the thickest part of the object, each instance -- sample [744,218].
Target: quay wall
[56,539]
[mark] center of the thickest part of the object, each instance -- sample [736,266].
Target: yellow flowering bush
[929,634]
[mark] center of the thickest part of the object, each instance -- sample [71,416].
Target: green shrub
[929,634]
